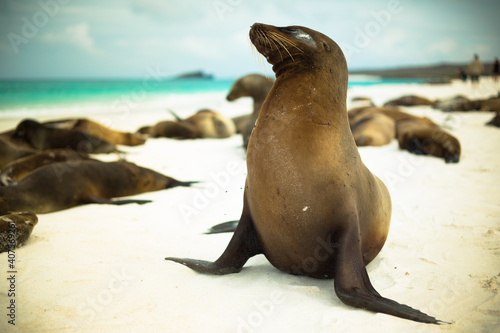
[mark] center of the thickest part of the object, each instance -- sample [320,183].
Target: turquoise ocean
[33,94]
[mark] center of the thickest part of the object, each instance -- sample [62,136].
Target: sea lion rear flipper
[223,227]
[100,200]
[353,286]
[244,245]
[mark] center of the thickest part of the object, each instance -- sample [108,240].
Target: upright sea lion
[42,137]
[63,185]
[15,229]
[409,100]
[99,131]
[16,170]
[10,152]
[373,129]
[422,136]
[256,86]
[310,204]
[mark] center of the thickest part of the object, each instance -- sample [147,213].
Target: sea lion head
[299,48]
[252,85]
[31,132]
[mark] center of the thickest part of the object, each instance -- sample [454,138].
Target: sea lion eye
[325,45]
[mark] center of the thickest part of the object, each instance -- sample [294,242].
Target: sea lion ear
[325,45]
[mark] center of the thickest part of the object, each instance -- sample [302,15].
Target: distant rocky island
[195,75]
[443,71]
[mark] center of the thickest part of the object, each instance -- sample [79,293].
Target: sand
[100,268]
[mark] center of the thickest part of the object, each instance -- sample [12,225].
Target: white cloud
[77,35]
[446,47]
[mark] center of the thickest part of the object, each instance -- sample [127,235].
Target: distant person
[462,74]
[475,69]
[496,70]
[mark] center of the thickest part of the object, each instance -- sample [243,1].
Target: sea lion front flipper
[353,286]
[244,245]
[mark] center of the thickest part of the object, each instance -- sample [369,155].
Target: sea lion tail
[176,116]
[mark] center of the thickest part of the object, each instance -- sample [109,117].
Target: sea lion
[392,112]
[490,104]
[170,129]
[42,137]
[373,129]
[310,205]
[409,100]
[211,124]
[253,85]
[63,185]
[10,152]
[495,121]
[203,124]
[424,137]
[456,103]
[99,131]
[15,229]
[16,170]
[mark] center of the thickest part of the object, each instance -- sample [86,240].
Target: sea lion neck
[313,88]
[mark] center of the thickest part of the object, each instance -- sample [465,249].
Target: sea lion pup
[306,186]
[423,137]
[42,137]
[16,170]
[256,86]
[63,185]
[99,131]
[15,229]
[373,129]
[409,100]
[10,152]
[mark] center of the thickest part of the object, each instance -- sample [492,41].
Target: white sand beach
[101,268]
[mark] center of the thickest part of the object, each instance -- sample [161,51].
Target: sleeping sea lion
[62,185]
[99,131]
[41,137]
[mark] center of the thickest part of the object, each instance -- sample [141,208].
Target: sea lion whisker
[280,42]
[277,48]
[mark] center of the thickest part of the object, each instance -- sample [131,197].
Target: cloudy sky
[128,38]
